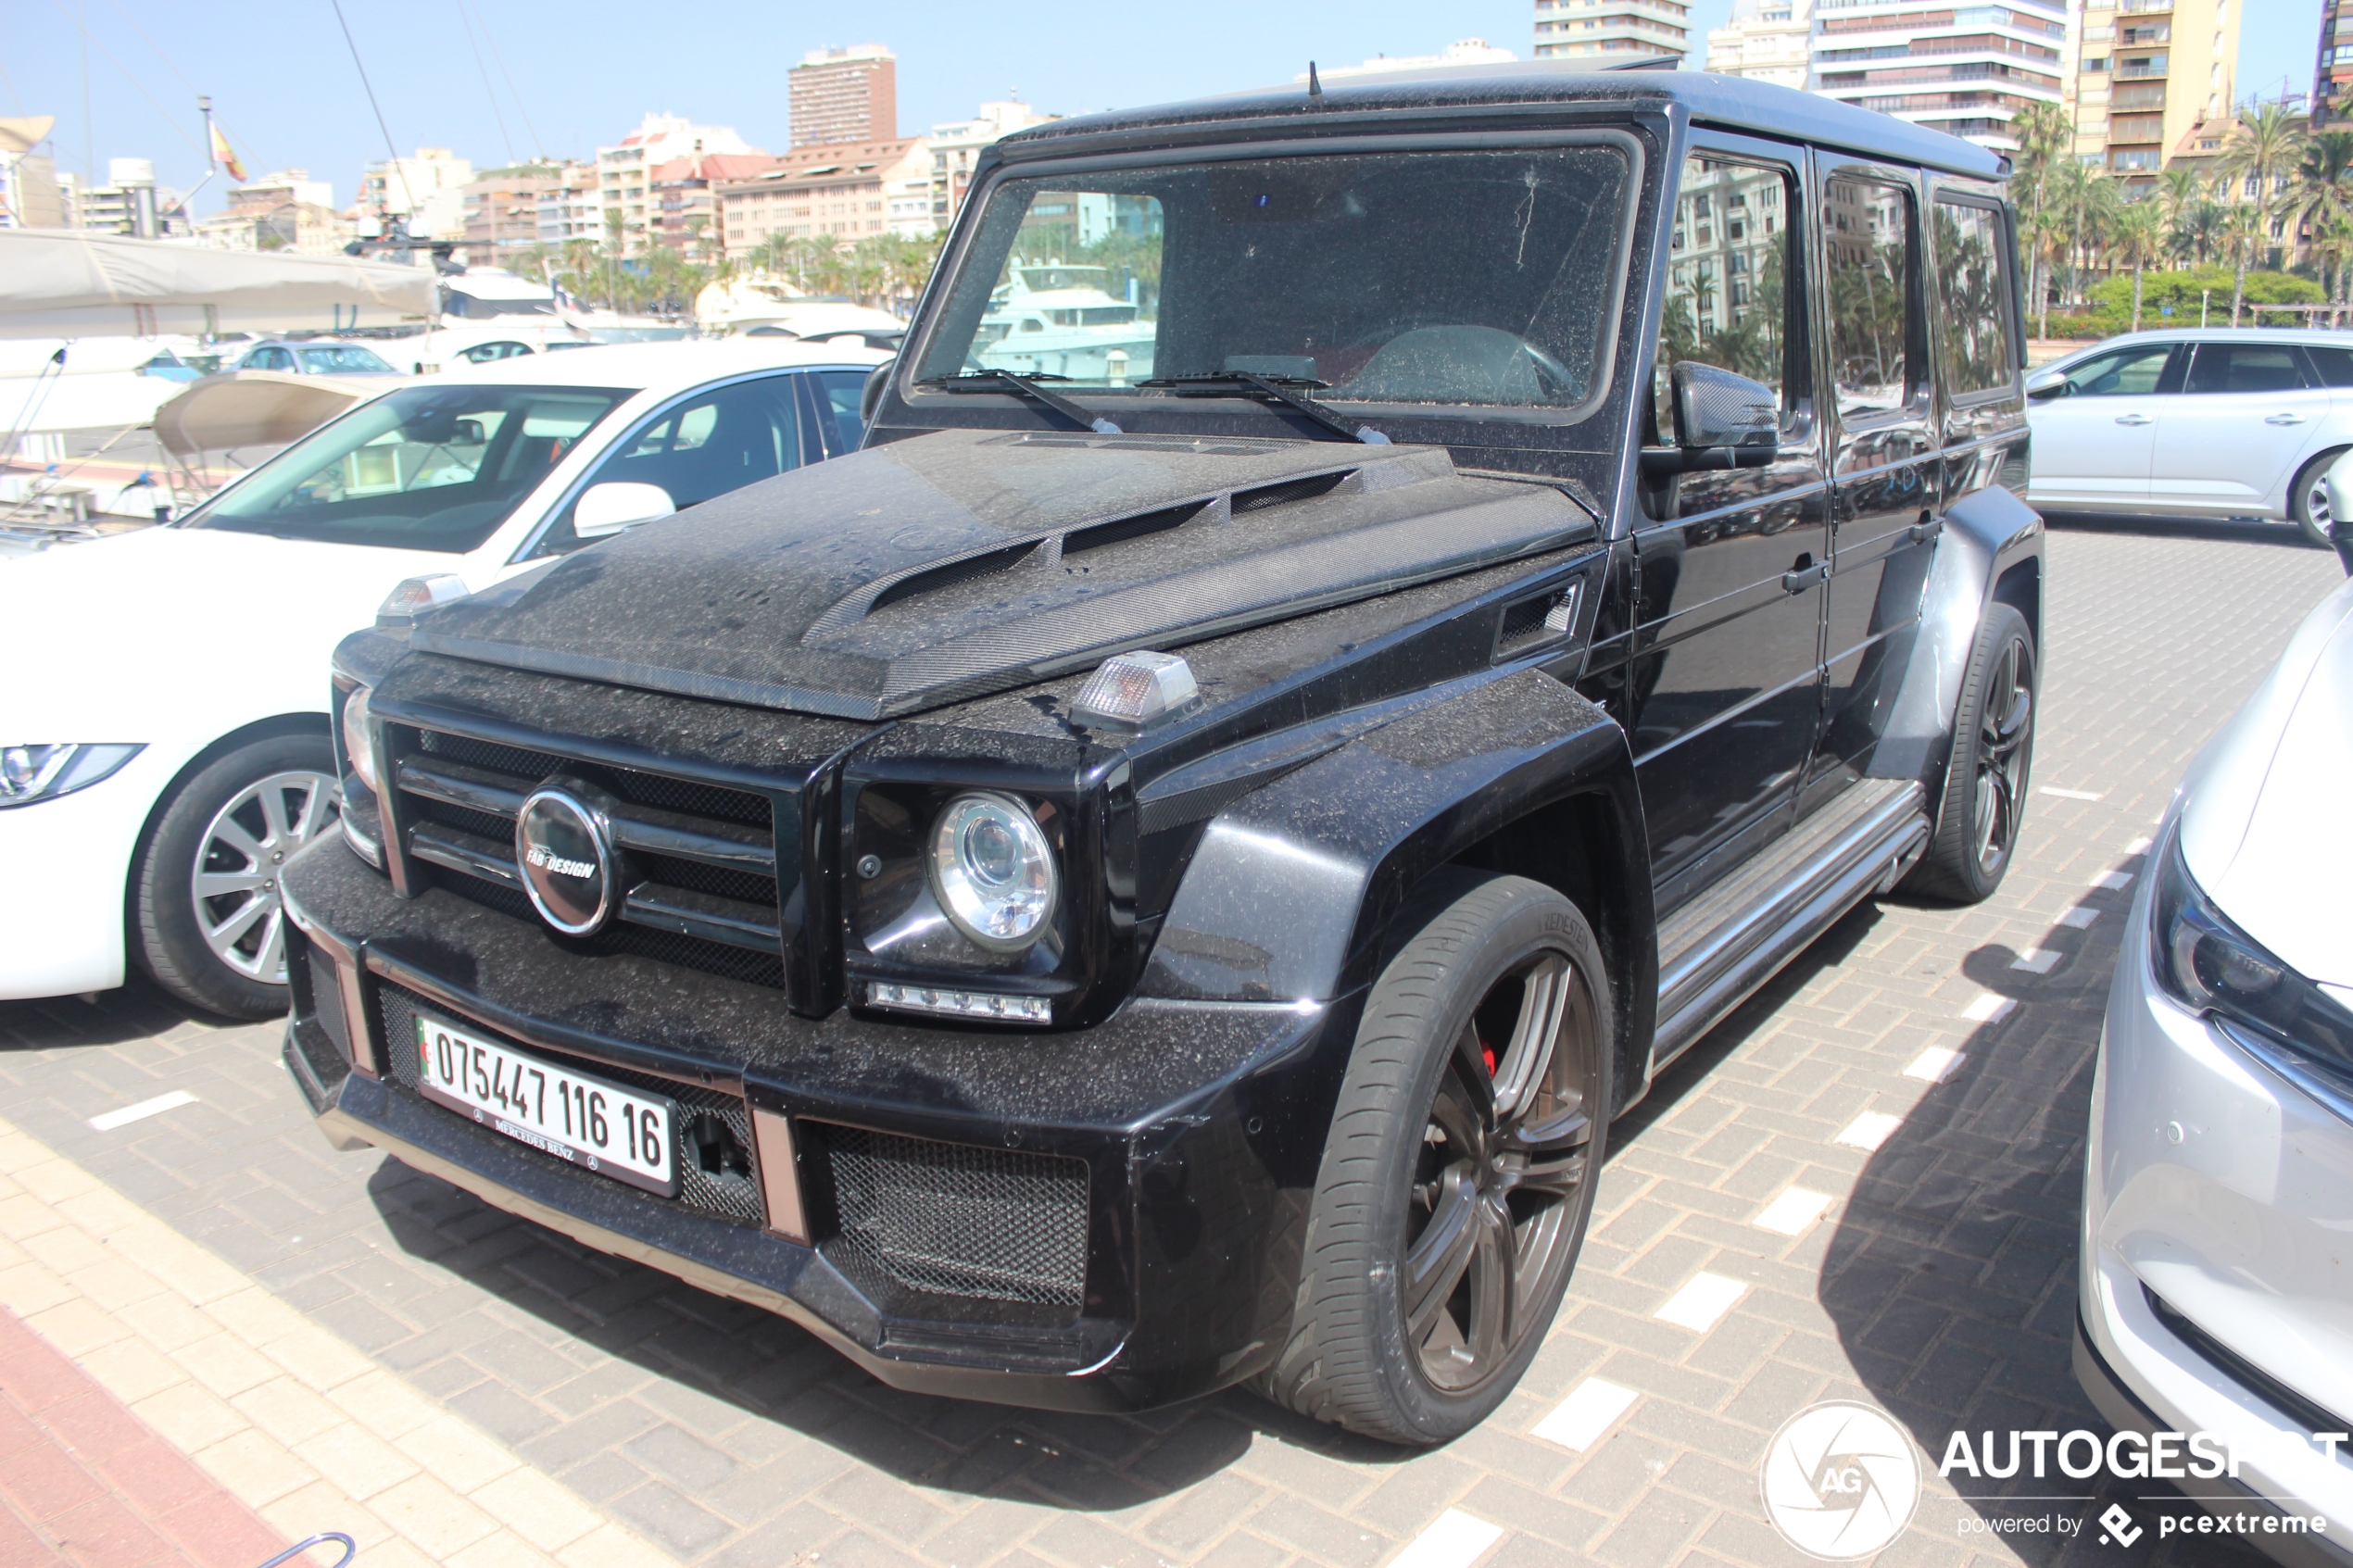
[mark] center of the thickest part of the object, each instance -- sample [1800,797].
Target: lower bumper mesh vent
[954,1219]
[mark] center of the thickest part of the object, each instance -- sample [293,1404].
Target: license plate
[597,1125]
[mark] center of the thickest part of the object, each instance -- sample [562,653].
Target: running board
[1717,949]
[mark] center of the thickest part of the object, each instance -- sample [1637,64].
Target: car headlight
[2208,965]
[357,744]
[993,871]
[43,772]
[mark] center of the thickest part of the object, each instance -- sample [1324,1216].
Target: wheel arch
[205,757]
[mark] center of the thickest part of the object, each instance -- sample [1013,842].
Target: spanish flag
[223,156]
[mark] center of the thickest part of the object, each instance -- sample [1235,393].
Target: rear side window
[2245,367]
[2336,365]
[1973,296]
[1867,265]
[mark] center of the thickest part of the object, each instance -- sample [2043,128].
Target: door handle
[2134,420]
[1804,577]
[2284,420]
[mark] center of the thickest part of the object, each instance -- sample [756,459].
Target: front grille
[729,1192]
[458,798]
[952,1219]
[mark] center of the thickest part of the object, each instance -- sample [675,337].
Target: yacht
[1055,318]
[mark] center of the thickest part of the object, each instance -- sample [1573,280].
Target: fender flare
[1290,896]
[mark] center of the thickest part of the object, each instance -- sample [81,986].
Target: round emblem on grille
[565,854]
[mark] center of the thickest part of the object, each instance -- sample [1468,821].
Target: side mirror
[1721,421]
[612,506]
[870,398]
[2046,383]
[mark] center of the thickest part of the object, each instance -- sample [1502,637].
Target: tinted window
[1727,277]
[721,440]
[2245,367]
[2128,372]
[1973,299]
[423,469]
[1867,255]
[343,359]
[837,395]
[2336,365]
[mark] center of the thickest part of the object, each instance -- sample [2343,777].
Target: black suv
[1366,619]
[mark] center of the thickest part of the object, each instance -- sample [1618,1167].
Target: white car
[2217,1279]
[163,724]
[2216,422]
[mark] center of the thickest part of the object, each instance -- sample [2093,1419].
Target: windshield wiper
[1026,386]
[1271,389]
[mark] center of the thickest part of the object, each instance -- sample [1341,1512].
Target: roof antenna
[1314,83]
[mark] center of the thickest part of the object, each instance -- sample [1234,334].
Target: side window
[1867,265]
[1973,296]
[838,396]
[2129,373]
[721,440]
[2245,367]
[2336,365]
[1728,283]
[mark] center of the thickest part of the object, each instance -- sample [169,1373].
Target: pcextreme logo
[1840,1481]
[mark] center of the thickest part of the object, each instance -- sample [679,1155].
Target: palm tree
[2044,134]
[2177,192]
[2323,196]
[2140,239]
[2265,145]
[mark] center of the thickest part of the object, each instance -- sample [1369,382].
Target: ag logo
[1840,1480]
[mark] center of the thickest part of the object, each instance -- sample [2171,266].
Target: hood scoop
[961,562]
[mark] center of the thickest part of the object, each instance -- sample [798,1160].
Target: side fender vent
[1538,619]
[1288,491]
[949,573]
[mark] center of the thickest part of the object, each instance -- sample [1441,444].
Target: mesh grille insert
[955,1219]
[641,941]
[728,1193]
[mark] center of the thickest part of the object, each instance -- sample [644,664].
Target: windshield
[422,469]
[1468,277]
[343,359]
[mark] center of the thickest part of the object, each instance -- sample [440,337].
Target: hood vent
[1290,490]
[1120,530]
[932,578]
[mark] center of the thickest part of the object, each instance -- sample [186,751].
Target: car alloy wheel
[239,859]
[2006,720]
[1502,1156]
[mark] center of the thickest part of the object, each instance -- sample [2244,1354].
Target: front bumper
[1200,1126]
[65,864]
[2216,1291]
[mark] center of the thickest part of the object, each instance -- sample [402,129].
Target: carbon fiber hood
[961,562]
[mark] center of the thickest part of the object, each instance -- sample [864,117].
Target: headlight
[43,772]
[358,743]
[993,871]
[2208,965]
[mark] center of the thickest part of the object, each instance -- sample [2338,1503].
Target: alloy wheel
[1493,1215]
[2316,504]
[2008,719]
[239,859]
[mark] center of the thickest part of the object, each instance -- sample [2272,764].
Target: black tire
[1401,1175]
[2308,500]
[168,927]
[1985,783]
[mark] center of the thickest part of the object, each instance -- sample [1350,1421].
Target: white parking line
[2067,794]
[1869,1130]
[1700,1303]
[1456,1540]
[2138,846]
[1793,1213]
[1591,1410]
[1935,1064]
[2078,918]
[2115,881]
[1989,1008]
[109,1121]
[2036,961]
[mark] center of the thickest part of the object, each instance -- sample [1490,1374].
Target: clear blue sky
[282,82]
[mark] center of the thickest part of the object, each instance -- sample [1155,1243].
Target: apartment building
[845,193]
[572,209]
[282,210]
[501,208]
[684,201]
[2333,71]
[954,148]
[129,202]
[624,172]
[2150,73]
[1614,30]
[427,190]
[30,196]
[1967,71]
[845,95]
[1766,41]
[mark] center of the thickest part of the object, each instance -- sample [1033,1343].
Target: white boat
[1056,317]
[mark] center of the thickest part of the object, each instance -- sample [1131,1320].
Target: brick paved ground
[1938,1281]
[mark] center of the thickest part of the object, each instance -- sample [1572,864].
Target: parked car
[315,358]
[157,763]
[2209,423]
[1121,887]
[2215,1278]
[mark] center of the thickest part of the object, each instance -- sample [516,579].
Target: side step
[1721,947]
